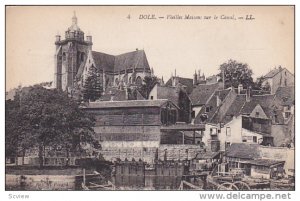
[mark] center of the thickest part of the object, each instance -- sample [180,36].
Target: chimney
[240,88]
[218,100]
[57,38]
[126,93]
[89,38]
[248,94]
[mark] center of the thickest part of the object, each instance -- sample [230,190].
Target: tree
[236,73]
[47,118]
[92,89]
[148,83]
[184,105]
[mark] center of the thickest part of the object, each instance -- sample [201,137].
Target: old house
[278,77]
[243,117]
[184,83]
[200,95]
[247,158]
[141,128]
[177,95]
[283,130]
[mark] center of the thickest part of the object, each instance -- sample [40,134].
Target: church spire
[74,19]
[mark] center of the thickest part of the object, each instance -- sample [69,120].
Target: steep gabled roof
[273,72]
[212,105]
[201,93]
[235,108]
[136,59]
[265,101]
[104,61]
[285,95]
[170,93]
[130,60]
[188,82]
[243,151]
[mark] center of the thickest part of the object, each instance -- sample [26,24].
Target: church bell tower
[70,55]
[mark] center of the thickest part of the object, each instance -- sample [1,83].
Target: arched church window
[139,81]
[64,56]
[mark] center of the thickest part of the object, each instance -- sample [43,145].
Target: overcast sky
[184,45]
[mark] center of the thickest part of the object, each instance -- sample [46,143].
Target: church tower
[71,53]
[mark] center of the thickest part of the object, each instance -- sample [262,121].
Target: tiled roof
[285,95]
[265,101]
[243,151]
[212,104]
[136,59]
[124,104]
[170,93]
[235,108]
[188,82]
[201,93]
[104,61]
[264,162]
[273,72]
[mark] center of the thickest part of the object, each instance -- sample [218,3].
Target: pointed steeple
[74,19]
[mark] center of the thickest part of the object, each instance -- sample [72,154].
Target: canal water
[147,182]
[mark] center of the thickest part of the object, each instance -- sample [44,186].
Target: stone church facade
[74,56]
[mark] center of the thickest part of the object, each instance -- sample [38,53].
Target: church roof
[130,60]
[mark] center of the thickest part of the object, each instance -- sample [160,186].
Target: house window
[213,131]
[257,114]
[151,97]
[207,109]
[193,114]
[228,131]
[255,139]
[227,145]
[287,114]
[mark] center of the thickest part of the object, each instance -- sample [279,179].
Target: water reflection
[146,182]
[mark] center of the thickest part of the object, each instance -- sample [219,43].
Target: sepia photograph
[150,98]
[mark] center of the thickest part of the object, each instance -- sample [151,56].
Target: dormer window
[257,114]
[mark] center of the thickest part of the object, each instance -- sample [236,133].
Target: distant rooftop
[127,104]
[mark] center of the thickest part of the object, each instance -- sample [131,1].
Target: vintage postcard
[105,98]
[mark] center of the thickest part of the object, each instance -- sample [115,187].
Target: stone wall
[147,151]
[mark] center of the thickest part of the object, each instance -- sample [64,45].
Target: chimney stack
[218,100]
[57,38]
[248,94]
[240,88]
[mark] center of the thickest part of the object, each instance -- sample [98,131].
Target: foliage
[236,73]
[92,89]
[41,117]
[184,105]
[148,83]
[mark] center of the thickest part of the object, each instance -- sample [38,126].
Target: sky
[182,44]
